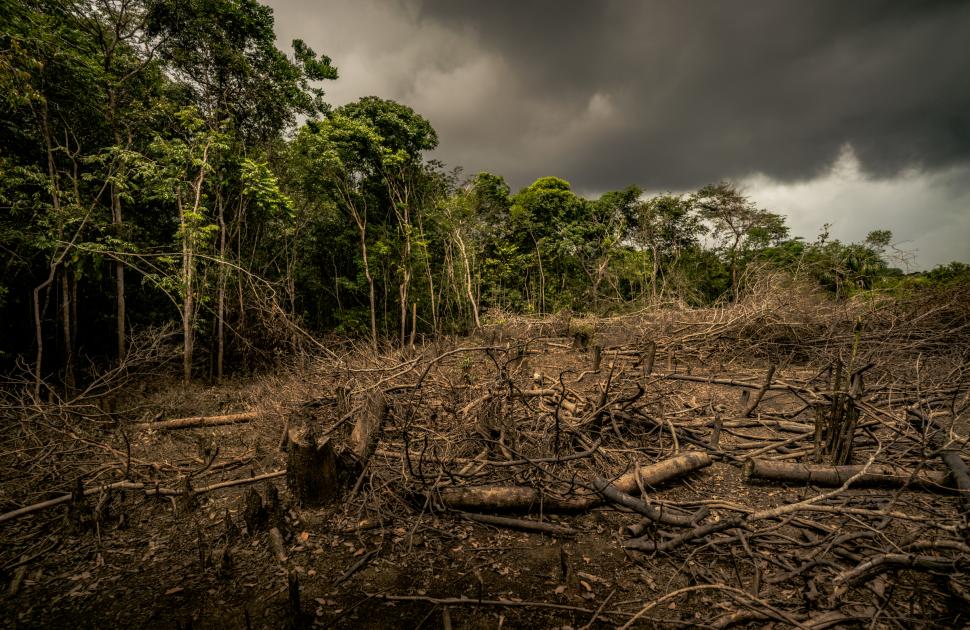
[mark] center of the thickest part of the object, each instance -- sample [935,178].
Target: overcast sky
[854,113]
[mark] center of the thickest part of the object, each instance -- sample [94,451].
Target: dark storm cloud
[671,95]
[704,90]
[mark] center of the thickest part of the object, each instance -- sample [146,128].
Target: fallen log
[756,399]
[527,499]
[834,476]
[521,524]
[658,515]
[645,543]
[511,499]
[199,421]
[276,545]
[150,490]
[660,472]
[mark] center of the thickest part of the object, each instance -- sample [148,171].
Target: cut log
[199,421]
[961,476]
[835,424]
[311,469]
[368,427]
[523,499]
[656,474]
[521,524]
[520,499]
[648,357]
[254,514]
[835,476]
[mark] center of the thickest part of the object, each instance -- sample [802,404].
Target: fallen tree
[524,499]
[834,476]
[199,421]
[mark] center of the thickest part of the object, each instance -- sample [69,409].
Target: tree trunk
[311,469]
[468,278]
[68,338]
[362,232]
[835,476]
[221,305]
[188,300]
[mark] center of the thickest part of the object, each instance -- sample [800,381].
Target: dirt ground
[462,413]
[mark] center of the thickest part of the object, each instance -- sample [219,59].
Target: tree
[737,223]
[223,53]
[538,216]
[395,159]
[177,172]
[668,227]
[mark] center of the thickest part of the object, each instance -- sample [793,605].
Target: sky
[854,114]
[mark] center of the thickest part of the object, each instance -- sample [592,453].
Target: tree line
[165,166]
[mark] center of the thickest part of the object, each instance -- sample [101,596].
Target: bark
[372,296]
[656,474]
[526,499]
[519,499]
[368,427]
[951,457]
[835,476]
[656,514]
[521,524]
[200,421]
[221,306]
[188,302]
[66,328]
[649,357]
[311,469]
[276,544]
[468,278]
[756,399]
[884,562]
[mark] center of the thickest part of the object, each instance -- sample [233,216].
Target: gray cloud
[664,94]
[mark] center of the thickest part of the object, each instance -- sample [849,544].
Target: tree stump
[368,427]
[311,469]
[254,515]
[648,356]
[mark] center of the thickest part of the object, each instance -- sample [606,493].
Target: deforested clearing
[559,471]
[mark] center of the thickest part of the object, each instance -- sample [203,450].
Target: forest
[189,230]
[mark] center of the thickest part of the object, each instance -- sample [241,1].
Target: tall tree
[737,222]
[396,161]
